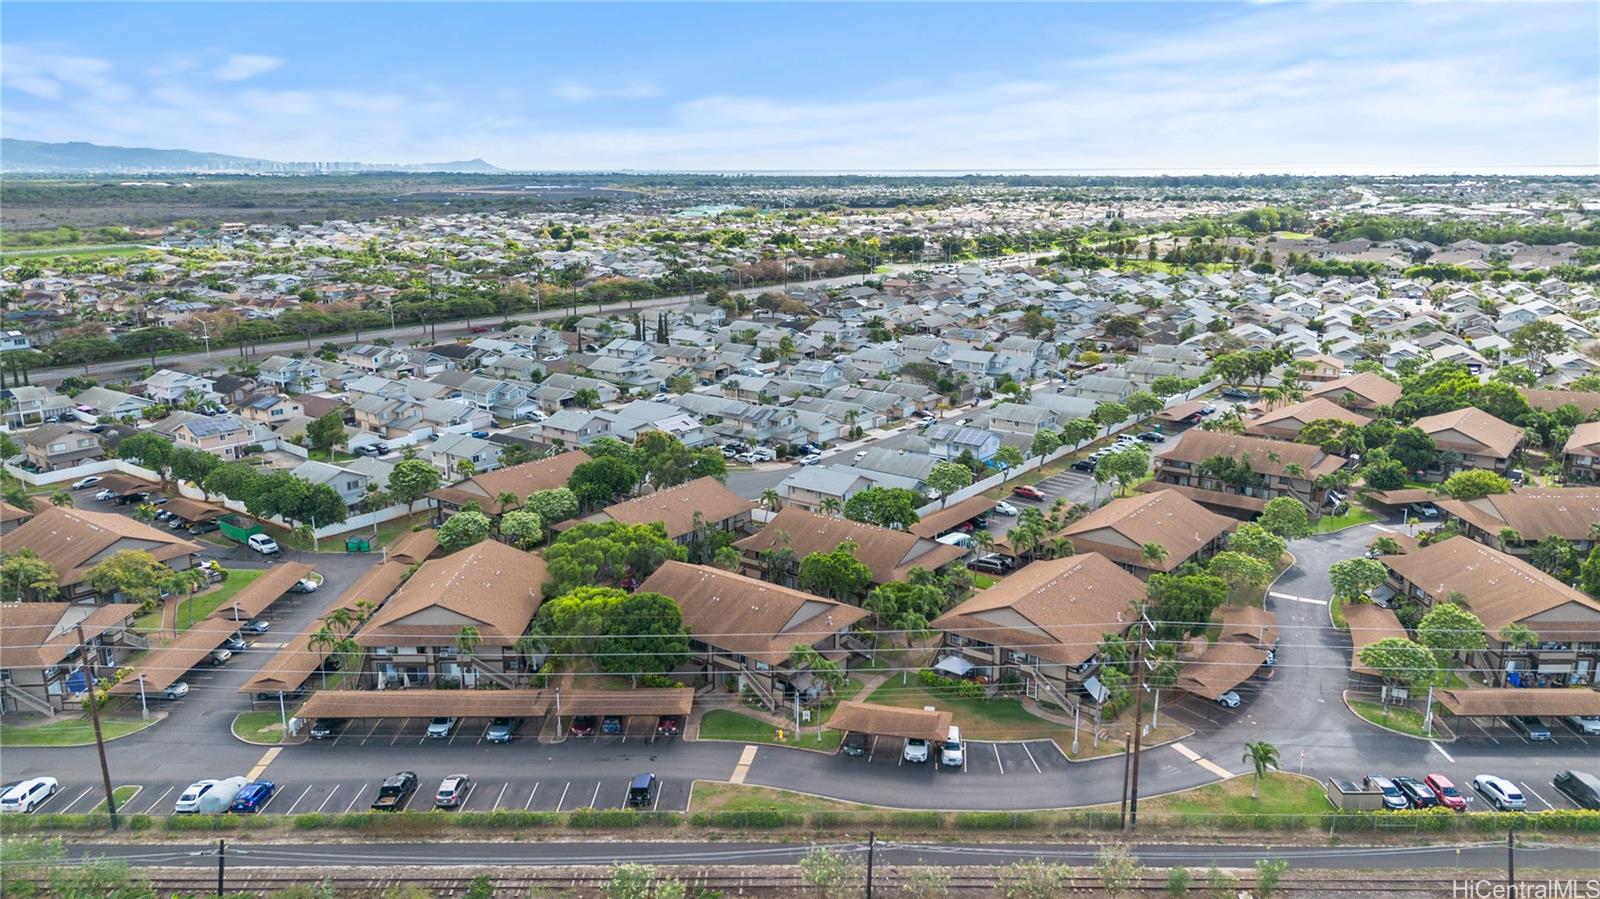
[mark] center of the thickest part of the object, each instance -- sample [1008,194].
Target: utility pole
[222,864]
[872,845]
[1138,725]
[94,715]
[1511,863]
[1127,759]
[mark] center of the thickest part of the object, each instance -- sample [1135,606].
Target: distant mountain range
[77,156]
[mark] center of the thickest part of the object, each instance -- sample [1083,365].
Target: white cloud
[581,92]
[244,66]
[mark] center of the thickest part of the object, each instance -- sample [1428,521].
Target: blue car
[253,796]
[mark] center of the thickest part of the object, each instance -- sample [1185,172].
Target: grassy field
[1330,523]
[121,794]
[1281,794]
[979,719]
[1336,613]
[714,797]
[259,727]
[1404,720]
[97,252]
[68,731]
[201,605]
[981,581]
[721,724]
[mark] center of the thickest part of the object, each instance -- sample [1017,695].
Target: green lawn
[715,797]
[721,724]
[1404,720]
[1330,523]
[68,731]
[127,249]
[260,727]
[121,794]
[979,719]
[201,605]
[1281,794]
[1337,614]
[981,581]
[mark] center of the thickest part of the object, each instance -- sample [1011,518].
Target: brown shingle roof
[9,512]
[1119,529]
[1207,497]
[40,634]
[1374,388]
[375,584]
[1588,402]
[1249,624]
[1368,624]
[746,616]
[540,474]
[416,546]
[890,721]
[889,554]
[427,704]
[1566,512]
[675,507]
[940,520]
[263,591]
[75,540]
[1499,438]
[1585,440]
[1058,610]
[1195,446]
[1500,589]
[161,667]
[1519,701]
[1227,664]
[192,510]
[490,585]
[1290,419]
[296,660]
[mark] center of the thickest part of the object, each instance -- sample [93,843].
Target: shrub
[916,820]
[604,817]
[994,820]
[755,818]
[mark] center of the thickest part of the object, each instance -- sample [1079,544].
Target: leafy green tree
[1118,870]
[1108,414]
[602,481]
[947,478]
[574,622]
[607,552]
[1126,465]
[833,873]
[1254,540]
[1166,385]
[1077,431]
[1269,873]
[1385,474]
[836,573]
[326,432]
[1045,442]
[1286,517]
[1010,457]
[411,480]
[1261,755]
[1412,448]
[24,575]
[235,480]
[1402,661]
[1246,576]
[1474,483]
[1352,578]
[645,634]
[149,449]
[889,507]
[1448,629]
[554,505]
[464,529]
[135,575]
[905,607]
[1555,556]
[152,341]
[1180,605]
[1518,636]
[523,528]
[1589,572]
[193,465]
[1538,339]
[1144,404]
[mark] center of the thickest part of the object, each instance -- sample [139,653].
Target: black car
[327,727]
[855,743]
[1152,437]
[1085,465]
[1583,789]
[1234,393]
[642,790]
[203,527]
[1416,793]
[993,563]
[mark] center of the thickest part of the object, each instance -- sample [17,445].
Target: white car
[189,800]
[916,750]
[747,458]
[104,495]
[176,690]
[85,483]
[263,544]
[1588,725]
[29,795]
[1425,510]
[860,455]
[306,585]
[1004,508]
[441,727]
[1501,793]
[1229,700]
[812,459]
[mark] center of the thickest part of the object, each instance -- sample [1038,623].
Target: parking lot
[1024,758]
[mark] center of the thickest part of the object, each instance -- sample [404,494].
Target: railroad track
[245,881]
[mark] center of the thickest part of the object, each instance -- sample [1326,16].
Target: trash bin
[357,545]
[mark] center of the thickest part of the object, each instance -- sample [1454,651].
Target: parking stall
[619,715]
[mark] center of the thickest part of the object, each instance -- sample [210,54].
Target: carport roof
[1227,664]
[192,510]
[416,546]
[1519,701]
[1368,624]
[890,721]
[162,667]
[263,591]
[374,586]
[426,704]
[647,701]
[123,484]
[940,520]
[1404,496]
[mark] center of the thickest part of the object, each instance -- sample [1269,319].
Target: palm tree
[348,652]
[984,542]
[771,499]
[61,498]
[341,619]
[508,501]
[324,639]
[1153,554]
[467,639]
[1509,537]
[1262,755]
[1518,636]
[1061,548]
[364,609]
[830,505]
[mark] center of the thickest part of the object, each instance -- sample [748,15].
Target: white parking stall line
[563,795]
[1292,598]
[160,798]
[297,799]
[328,798]
[397,733]
[372,730]
[996,748]
[352,801]
[1036,767]
[501,796]
[872,748]
[660,785]
[1441,751]
[529,804]
[1535,794]
[76,800]
[472,788]
[481,735]
[596,797]
[263,806]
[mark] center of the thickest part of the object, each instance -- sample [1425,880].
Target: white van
[952,755]
[957,538]
[263,544]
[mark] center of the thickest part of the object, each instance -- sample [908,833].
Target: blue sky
[1175,87]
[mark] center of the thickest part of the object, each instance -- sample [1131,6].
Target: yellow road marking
[261,766]
[742,769]
[1203,762]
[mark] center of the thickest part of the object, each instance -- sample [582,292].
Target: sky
[1361,87]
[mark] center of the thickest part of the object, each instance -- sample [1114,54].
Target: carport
[1395,499]
[193,511]
[1368,624]
[374,586]
[649,704]
[426,704]
[122,484]
[890,721]
[940,521]
[414,547]
[167,665]
[1504,702]
[1223,666]
[263,591]
[1249,625]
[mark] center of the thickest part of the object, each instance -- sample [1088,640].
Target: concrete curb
[1344,697]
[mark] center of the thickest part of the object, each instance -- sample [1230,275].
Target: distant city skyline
[1356,88]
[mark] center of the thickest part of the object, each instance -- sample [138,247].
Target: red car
[1449,796]
[1029,492]
[582,726]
